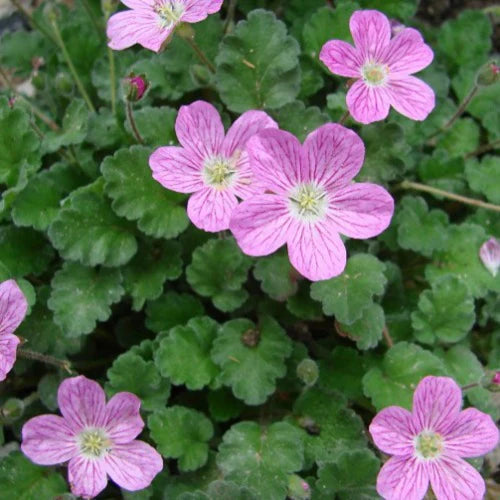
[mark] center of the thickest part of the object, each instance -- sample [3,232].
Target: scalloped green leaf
[484,177]
[367,330]
[155,125]
[277,277]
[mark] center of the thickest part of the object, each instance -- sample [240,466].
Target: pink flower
[496,379]
[428,444]
[151,22]
[309,199]
[382,68]
[490,255]
[13,306]
[213,167]
[97,438]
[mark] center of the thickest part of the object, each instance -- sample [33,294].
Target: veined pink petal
[411,97]
[316,250]
[177,169]
[453,478]
[13,306]
[8,352]
[393,431]
[123,421]
[139,4]
[134,465]
[199,129]
[368,104]
[87,477]
[407,53]
[48,440]
[332,156]
[247,125]
[82,403]
[210,208]
[403,478]
[261,224]
[360,210]
[341,58]
[246,184]
[436,403]
[472,434]
[197,10]
[275,158]
[489,254]
[371,32]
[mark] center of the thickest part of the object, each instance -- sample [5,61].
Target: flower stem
[484,149]
[231,10]
[387,337]
[94,20]
[112,80]
[72,69]
[32,22]
[452,196]
[344,117]
[201,56]
[470,386]
[44,358]
[133,126]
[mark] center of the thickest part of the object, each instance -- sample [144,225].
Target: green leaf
[400,9]
[484,177]
[403,366]
[303,306]
[261,458]
[170,310]
[367,330]
[347,295]
[251,358]
[103,132]
[442,171]
[131,373]
[221,490]
[461,138]
[156,125]
[23,480]
[74,128]
[137,196]
[218,270]
[445,313]
[258,65]
[86,229]
[145,274]
[223,405]
[81,296]
[276,275]
[420,229]
[182,433]
[184,355]
[37,205]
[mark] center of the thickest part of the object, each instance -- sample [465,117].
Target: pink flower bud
[490,255]
[135,87]
[496,379]
[396,26]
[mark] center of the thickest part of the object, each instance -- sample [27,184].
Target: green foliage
[367,330]
[276,275]
[484,177]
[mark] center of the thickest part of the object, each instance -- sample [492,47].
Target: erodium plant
[249,250]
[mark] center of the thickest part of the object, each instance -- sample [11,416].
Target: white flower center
[375,74]
[93,443]
[428,445]
[169,12]
[219,172]
[308,202]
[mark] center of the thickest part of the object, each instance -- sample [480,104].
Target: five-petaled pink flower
[213,167]
[429,442]
[489,254]
[382,68]
[309,199]
[151,22]
[97,438]
[13,306]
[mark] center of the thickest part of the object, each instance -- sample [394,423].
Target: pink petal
[316,250]
[371,32]
[48,440]
[8,348]
[471,434]
[411,97]
[275,158]
[436,403]
[82,403]
[489,254]
[407,53]
[134,465]
[403,478]
[261,224]
[393,431]
[177,169]
[199,129]
[87,477]
[453,478]
[368,104]
[13,306]
[341,58]
[123,421]
[332,155]
[210,209]
[197,10]
[360,210]
[246,184]
[129,27]
[138,4]
[247,125]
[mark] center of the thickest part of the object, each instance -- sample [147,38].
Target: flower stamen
[375,74]
[169,12]
[219,172]
[94,443]
[428,445]
[308,202]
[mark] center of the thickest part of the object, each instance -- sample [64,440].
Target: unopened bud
[298,489]
[135,87]
[12,410]
[307,371]
[185,30]
[496,379]
[396,27]
[489,74]
[489,253]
